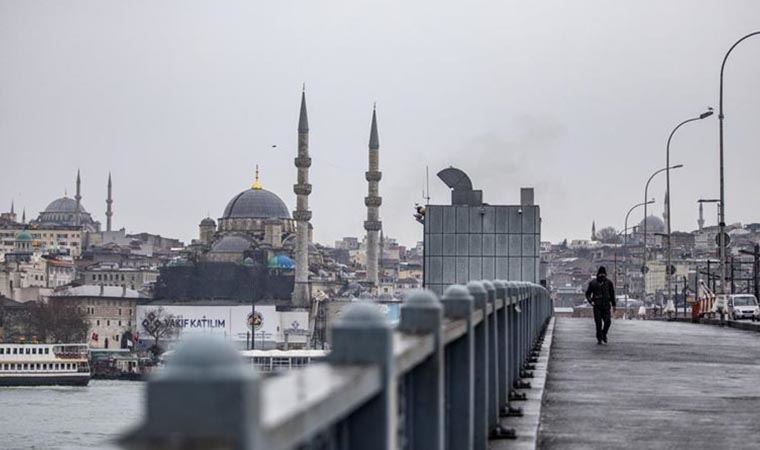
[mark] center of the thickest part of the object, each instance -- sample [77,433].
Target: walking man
[601,295]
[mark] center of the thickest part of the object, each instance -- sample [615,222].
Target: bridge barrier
[441,379]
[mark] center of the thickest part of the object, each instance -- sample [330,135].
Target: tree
[56,321]
[159,325]
[608,235]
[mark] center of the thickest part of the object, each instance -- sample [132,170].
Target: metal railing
[441,379]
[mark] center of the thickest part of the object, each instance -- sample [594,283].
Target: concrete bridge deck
[657,385]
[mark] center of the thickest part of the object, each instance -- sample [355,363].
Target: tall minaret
[302,215]
[13,207]
[701,220]
[23,216]
[373,201]
[109,201]
[78,197]
[593,230]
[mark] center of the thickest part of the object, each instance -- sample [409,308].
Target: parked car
[743,306]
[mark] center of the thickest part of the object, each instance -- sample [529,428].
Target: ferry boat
[44,364]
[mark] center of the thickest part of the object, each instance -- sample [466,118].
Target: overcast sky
[181,99]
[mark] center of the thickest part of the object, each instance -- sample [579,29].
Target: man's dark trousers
[603,322]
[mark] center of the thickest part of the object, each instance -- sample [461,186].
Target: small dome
[64,205]
[257,204]
[23,236]
[280,262]
[654,225]
[208,222]
[231,244]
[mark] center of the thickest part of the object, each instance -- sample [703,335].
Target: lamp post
[668,275]
[625,246]
[722,205]
[646,195]
[248,263]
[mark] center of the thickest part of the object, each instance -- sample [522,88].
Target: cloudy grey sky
[180,100]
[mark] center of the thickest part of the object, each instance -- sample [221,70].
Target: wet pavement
[657,385]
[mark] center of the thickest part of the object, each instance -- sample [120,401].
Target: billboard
[233,323]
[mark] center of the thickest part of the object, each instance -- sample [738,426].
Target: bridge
[485,366]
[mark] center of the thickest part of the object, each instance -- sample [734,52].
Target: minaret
[109,201]
[23,215]
[13,208]
[373,201]
[302,215]
[78,198]
[701,220]
[593,230]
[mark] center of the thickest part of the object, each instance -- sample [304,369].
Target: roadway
[657,385]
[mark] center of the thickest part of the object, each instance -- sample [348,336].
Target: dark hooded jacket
[601,292]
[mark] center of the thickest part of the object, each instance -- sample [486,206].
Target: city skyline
[185,135]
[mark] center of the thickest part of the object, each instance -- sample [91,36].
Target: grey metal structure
[441,379]
[465,242]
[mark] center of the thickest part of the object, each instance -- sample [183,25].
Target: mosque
[253,220]
[258,239]
[69,212]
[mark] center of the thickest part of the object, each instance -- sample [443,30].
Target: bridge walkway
[657,385]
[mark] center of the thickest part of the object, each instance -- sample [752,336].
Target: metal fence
[441,379]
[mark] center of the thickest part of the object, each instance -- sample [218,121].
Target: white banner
[233,323]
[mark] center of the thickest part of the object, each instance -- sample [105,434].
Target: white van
[743,306]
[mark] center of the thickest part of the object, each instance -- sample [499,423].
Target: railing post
[480,434]
[502,344]
[512,293]
[364,336]
[183,401]
[493,358]
[422,314]
[460,364]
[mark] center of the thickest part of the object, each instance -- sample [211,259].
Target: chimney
[526,197]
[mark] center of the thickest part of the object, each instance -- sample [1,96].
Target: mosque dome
[64,205]
[654,225]
[208,222]
[231,244]
[280,262]
[257,204]
[23,236]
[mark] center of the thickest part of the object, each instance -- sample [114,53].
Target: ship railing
[441,379]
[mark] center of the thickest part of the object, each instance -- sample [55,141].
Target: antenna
[426,195]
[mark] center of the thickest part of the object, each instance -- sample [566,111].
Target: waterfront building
[110,310]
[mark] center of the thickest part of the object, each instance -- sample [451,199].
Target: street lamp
[704,115]
[722,204]
[625,245]
[646,195]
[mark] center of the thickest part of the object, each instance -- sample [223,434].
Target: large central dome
[64,205]
[258,204]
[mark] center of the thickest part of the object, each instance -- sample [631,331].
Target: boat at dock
[44,364]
